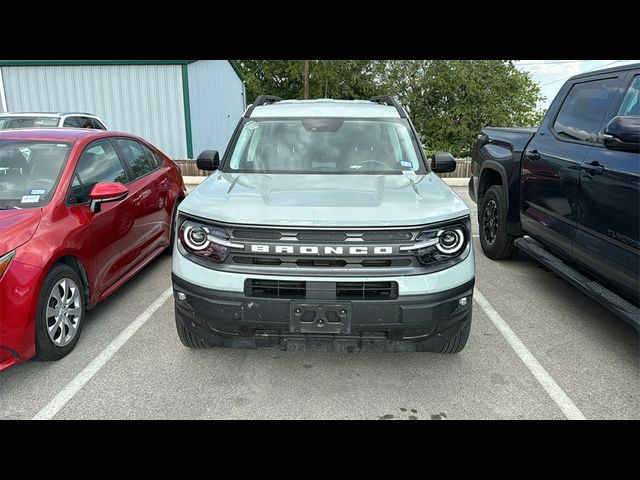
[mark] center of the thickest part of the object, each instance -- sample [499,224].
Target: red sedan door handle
[593,168]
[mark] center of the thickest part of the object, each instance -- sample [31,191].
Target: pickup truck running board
[613,302]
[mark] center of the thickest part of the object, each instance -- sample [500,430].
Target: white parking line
[544,379]
[74,386]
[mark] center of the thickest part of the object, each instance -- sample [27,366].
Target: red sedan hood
[17,227]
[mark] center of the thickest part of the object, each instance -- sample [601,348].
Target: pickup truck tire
[457,342]
[187,338]
[496,243]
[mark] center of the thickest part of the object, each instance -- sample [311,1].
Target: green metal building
[181,106]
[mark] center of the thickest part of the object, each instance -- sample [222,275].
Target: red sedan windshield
[29,172]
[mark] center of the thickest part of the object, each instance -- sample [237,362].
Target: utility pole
[306,79]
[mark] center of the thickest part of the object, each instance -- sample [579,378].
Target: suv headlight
[204,241]
[441,244]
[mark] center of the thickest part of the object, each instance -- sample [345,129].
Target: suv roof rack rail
[389,100]
[261,100]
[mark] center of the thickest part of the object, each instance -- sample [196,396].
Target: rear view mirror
[443,162]
[208,160]
[623,133]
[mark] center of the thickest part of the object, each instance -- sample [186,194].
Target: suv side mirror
[443,162]
[208,160]
[623,133]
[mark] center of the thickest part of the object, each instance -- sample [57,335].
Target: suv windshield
[29,172]
[28,122]
[325,145]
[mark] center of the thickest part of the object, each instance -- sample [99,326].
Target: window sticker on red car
[37,192]
[30,199]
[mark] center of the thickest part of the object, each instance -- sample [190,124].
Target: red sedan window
[29,172]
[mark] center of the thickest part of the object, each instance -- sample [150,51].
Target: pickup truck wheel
[496,242]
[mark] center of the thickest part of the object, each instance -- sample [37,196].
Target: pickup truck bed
[498,151]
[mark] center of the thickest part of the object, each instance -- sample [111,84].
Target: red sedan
[81,211]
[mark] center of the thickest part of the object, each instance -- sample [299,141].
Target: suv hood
[17,227]
[324,200]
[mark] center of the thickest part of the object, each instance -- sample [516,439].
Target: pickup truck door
[608,238]
[551,163]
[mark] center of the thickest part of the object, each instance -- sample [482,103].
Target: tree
[343,79]
[448,100]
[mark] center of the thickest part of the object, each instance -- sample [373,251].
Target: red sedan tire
[61,313]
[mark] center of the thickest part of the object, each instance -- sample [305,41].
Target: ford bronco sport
[324,227]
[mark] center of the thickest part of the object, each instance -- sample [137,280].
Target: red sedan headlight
[5,260]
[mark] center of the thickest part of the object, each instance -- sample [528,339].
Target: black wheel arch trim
[510,197]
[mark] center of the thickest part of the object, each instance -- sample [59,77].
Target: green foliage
[448,100]
[342,79]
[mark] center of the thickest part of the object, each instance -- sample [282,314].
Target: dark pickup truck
[568,192]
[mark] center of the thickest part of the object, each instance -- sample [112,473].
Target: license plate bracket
[320,317]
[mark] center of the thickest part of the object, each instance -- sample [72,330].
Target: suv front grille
[351,240]
[367,290]
[341,290]
[321,262]
[275,289]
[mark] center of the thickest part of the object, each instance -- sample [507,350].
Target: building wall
[146,100]
[216,98]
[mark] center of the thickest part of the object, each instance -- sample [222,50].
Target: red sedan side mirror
[106,192]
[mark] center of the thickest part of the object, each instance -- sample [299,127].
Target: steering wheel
[386,166]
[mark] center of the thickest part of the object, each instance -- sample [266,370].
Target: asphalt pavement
[538,349]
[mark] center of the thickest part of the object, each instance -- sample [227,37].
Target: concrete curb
[453,182]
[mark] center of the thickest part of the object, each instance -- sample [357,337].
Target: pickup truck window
[631,103]
[325,145]
[583,110]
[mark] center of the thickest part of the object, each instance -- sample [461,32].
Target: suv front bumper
[409,323]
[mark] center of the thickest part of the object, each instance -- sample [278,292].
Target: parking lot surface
[538,349]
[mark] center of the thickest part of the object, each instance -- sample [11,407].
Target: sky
[551,74]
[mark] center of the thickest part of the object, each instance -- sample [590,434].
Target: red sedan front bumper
[19,289]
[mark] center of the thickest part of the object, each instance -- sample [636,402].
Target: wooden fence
[463,169]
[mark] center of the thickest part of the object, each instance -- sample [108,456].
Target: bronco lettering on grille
[321,250]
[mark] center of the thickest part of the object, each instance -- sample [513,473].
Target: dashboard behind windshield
[325,146]
[29,172]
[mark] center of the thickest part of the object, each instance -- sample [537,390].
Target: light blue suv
[324,227]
